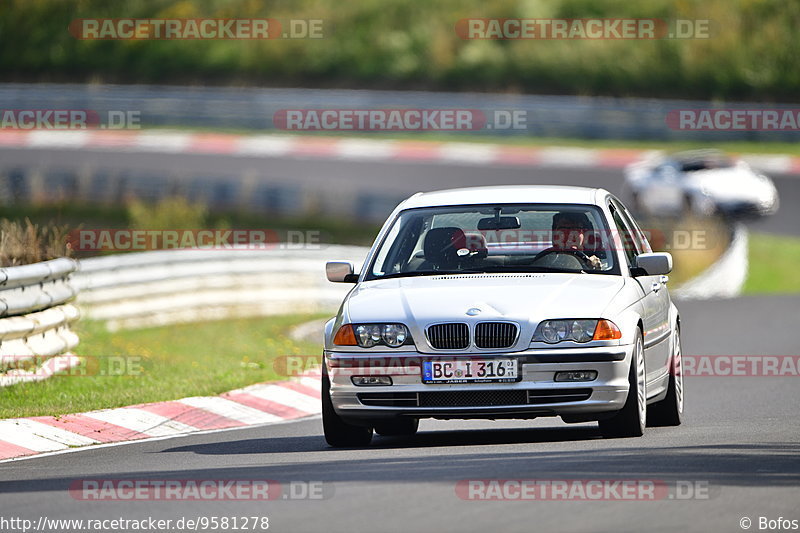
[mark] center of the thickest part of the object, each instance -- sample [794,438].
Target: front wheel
[339,433]
[669,411]
[631,420]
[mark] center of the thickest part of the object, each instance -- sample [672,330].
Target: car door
[655,299]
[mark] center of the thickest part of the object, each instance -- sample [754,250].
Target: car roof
[506,194]
[689,156]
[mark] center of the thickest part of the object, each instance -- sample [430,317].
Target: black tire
[339,433]
[631,420]
[397,427]
[669,411]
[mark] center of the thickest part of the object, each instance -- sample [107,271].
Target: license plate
[470,371]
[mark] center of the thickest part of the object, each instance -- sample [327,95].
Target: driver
[569,233]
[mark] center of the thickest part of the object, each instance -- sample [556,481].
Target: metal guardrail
[254,108]
[164,287]
[35,320]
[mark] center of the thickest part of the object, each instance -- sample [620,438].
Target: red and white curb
[254,405]
[300,147]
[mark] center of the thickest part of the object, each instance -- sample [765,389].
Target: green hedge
[754,52]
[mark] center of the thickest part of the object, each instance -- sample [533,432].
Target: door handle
[656,286]
[664,279]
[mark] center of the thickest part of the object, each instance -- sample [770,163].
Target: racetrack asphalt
[738,445]
[398,178]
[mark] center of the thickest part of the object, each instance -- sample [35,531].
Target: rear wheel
[339,433]
[631,420]
[397,427]
[669,411]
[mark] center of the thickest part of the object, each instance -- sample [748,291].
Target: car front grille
[558,395]
[495,334]
[449,336]
[482,398]
[473,398]
[455,336]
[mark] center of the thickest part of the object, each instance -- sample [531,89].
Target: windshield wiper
[482,270]
[428,273]
[531,269]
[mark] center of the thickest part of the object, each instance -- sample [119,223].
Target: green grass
[160,364]
[690,256]
[774,264]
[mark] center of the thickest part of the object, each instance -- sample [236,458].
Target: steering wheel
[578,254]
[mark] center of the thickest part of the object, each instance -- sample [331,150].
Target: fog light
[371,381]
[577,375]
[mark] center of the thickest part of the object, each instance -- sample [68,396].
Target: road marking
[151,439]
[298,400]
[142,421]
[483,154]
[230,409]
[40,437]
[90,427]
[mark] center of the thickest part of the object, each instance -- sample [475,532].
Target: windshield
[495,238]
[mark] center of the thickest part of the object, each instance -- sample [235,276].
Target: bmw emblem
[474,311]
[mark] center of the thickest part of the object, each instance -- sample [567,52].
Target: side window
[625,235]
[639,240]
[382,263]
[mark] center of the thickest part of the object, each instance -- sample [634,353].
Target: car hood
[523,298]
[732,185]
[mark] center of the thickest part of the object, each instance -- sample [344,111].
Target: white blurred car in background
[703,182]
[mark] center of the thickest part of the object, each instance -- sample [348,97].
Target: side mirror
[654,264]
[340,272]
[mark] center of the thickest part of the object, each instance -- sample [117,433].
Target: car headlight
[554,331]
[394,335]
[583,330]
[369,335]
[577,330]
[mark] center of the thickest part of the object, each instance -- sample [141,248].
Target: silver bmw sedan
[504,302]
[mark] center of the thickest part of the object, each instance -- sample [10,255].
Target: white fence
[35,319]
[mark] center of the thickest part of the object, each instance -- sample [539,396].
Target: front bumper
[745,210]
[536,394]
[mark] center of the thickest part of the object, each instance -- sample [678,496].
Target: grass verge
[694,242]
[159,364]
[774,264]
